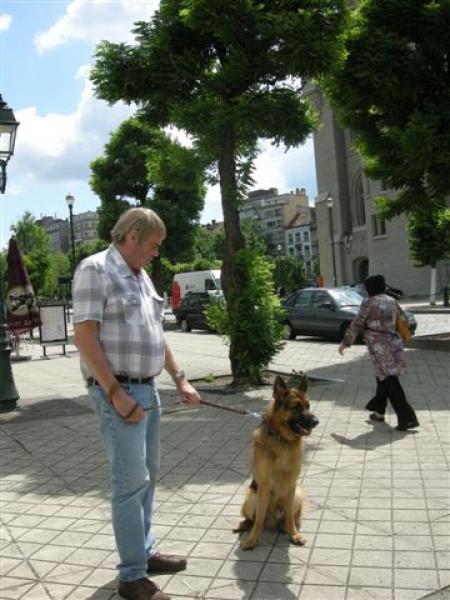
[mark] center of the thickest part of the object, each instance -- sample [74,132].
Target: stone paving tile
[282,573]
[87,556]
[85,593]
[186,534]
[326,575]
[371,576]
[418,579]
[13,588]
[102,578]
[52,552]
[37,592]
[100,542]
[280,591]
[326,556]
[224,589]
[72,574]
[245,571]
[41,567]
[366,593]
[378,499]
[209,550]
[7,565]
[190,586]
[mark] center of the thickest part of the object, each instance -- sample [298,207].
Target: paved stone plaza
[377,524]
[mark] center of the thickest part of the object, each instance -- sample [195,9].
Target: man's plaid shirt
[128,311]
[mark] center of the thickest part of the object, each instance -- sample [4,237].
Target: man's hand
[189,394]
[124,403]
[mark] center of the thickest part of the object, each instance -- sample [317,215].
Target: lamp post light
[8,391]
[70,199]
[330,203]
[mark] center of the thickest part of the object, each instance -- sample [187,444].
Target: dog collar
[273,431]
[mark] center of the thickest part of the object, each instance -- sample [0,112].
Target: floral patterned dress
[376,321]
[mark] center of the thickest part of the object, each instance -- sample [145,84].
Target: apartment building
[85,227]
[274,212]
[301,238]
[58,231]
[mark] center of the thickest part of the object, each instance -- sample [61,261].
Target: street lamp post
[70,199]
[8,391]
[330,204]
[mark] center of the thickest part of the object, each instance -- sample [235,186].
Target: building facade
[85,227]
[58,231]
[353,241]
[274,212]
[301,238]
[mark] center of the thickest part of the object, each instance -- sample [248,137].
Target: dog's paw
[249,543]
[298,539]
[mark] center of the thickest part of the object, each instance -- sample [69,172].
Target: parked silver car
[324,312]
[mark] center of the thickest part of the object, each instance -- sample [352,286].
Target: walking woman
[376,321]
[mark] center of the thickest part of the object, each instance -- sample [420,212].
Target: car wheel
[185,328]
[289,333]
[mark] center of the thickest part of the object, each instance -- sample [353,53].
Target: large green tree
[178,176]
[34,244]
[289,273]
[143,166]
[228,72]
[429,240]
[392,89]
[121,173]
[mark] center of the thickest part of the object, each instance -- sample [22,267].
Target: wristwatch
[178,376]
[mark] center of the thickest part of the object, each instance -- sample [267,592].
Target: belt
[124,379]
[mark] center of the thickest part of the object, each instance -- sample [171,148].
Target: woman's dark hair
[375,284]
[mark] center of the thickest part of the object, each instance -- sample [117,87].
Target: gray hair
[144,220]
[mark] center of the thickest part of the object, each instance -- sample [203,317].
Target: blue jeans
[133,453]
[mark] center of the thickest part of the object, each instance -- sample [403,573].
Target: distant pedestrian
[320,281]
[376,321]
[117,323]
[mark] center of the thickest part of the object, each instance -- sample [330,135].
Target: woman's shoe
[376,417]
[408,425]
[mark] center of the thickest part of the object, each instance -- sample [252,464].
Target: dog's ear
[280,389]
[299,380]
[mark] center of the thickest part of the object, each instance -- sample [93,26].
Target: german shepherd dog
[273,497]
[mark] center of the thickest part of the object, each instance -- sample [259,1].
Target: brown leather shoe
[165,563]
[141,589]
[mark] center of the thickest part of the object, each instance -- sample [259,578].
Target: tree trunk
[233,238]
[433,285]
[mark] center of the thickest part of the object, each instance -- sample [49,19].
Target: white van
[194,281]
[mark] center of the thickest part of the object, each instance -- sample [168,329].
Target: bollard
[446,303]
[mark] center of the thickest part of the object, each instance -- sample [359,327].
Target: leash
[239,411]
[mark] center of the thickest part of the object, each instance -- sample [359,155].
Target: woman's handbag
[403,329]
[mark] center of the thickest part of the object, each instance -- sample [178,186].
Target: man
[118,331]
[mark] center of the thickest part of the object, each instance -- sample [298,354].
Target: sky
[46,50]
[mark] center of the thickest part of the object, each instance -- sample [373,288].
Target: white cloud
[5,22]
[274,167]
[56,147]
[286,170]
[91,21]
